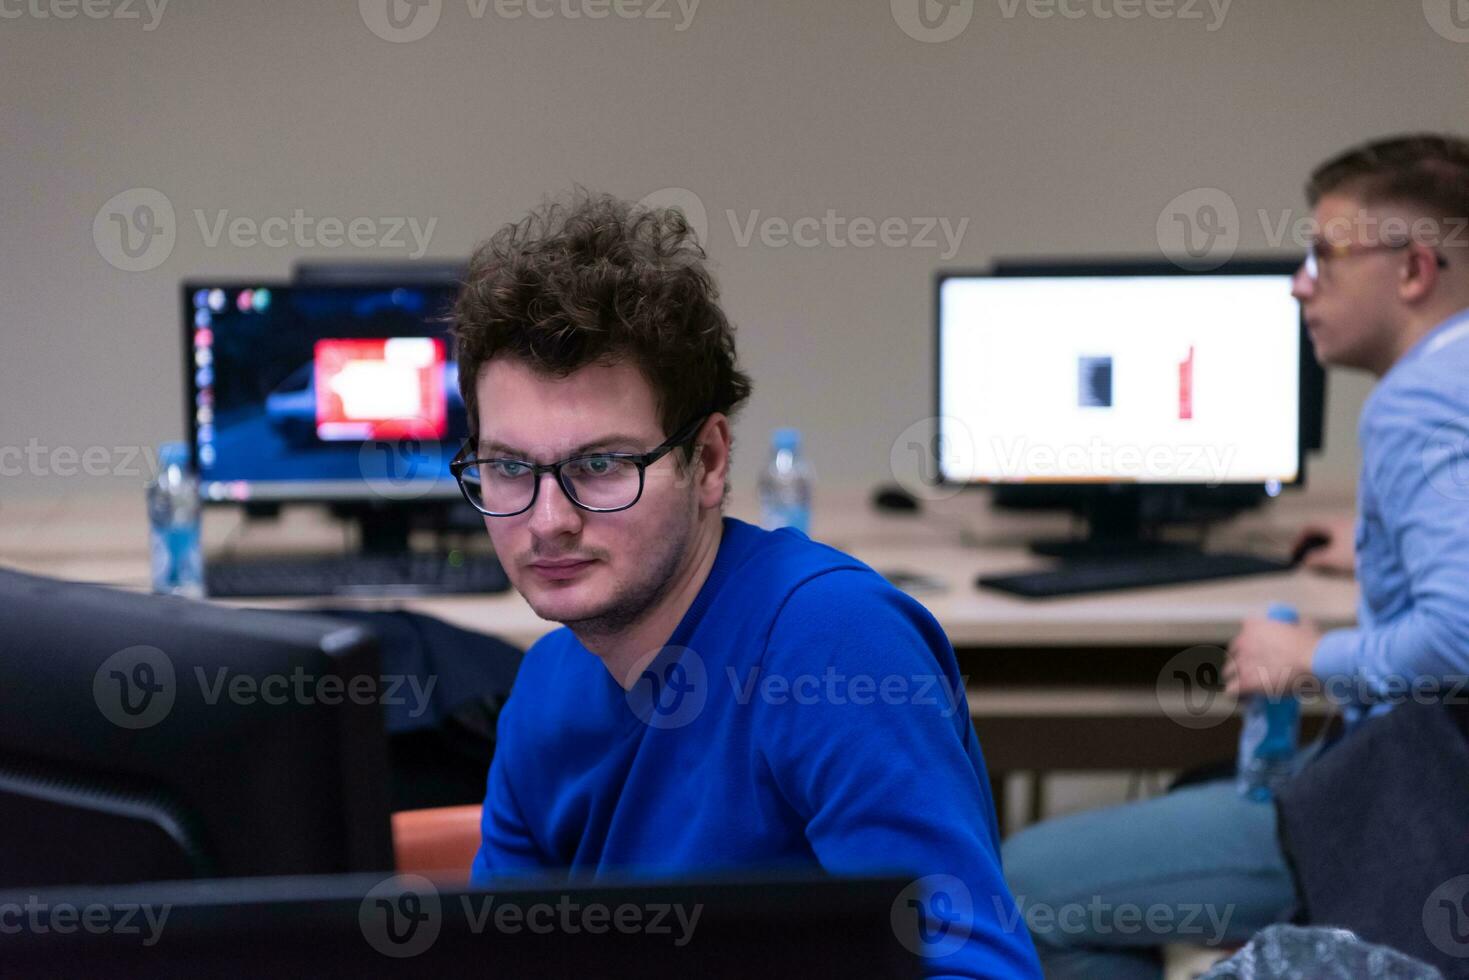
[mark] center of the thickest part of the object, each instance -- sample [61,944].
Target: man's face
[630,556]
[1352,309]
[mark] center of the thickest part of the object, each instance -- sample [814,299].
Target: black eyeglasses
[598,482]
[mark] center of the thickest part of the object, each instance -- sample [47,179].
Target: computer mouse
[893,498]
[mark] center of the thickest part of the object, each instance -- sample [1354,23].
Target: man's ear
[1420,274]
[713,453]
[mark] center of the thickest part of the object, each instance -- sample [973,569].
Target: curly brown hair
[595,281]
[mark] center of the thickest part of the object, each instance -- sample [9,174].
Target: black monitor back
[364,925]
[147,738]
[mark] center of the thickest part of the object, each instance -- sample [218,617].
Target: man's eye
[508,469]
[597,466]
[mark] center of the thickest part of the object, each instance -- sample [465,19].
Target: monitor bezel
[292,491]
[1312,376]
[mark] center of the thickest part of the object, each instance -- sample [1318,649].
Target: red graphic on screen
[390,388]
[1186,386]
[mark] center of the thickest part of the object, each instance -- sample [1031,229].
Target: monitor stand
[382,529]
[1120,524]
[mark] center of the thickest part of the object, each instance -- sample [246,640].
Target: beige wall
[1050,135]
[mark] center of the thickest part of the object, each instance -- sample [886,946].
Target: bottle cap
[786,439]
[1283,612]
[173,454]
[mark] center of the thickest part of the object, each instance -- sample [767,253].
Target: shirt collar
[1455,328]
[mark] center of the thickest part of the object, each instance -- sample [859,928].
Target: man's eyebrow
[616,439]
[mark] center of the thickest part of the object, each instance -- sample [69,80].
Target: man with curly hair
[720,697]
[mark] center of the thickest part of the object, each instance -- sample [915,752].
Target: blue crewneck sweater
[804,714]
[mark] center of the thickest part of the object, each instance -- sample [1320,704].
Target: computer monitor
[377,272]
[331,392]
[1112,386]
[354,926]
[146,738]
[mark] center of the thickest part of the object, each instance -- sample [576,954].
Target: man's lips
[561,569]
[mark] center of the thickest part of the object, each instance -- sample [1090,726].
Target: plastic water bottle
[1267,742]
[785,485]
[173,521]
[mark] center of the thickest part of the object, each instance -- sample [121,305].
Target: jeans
[1103,889]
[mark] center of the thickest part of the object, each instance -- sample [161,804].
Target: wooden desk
[1054,684]
[103,538]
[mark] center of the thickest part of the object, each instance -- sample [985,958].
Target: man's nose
[553,512]
[1302,286]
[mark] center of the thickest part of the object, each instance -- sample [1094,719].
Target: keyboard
[1108,574]
[415,573]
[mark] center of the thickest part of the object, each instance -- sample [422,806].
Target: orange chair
[440,842]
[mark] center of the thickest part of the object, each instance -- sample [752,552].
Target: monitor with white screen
[1122,374]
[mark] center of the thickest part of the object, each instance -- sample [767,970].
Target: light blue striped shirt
[1412,534]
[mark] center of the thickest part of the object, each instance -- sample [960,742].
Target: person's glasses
[598,482]
[1318,253]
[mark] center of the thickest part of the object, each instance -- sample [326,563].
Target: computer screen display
[1119,378]
[323,391]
